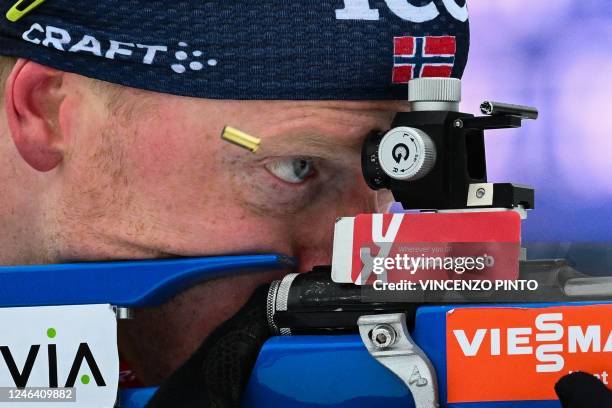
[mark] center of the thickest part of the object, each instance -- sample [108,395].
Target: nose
[363,200]
[308,258]
[314,237]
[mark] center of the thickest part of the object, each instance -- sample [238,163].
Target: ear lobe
[33,97]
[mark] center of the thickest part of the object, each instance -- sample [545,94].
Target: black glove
[582,390]
[217,374]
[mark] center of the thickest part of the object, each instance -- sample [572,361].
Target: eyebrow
[311,143]
[344,137]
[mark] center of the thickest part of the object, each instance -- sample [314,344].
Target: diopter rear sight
[433,158]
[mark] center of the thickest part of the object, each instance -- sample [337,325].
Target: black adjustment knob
[373,174]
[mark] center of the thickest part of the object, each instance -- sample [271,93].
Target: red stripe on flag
[402,74]
[403,45]
[437,71]
[446,45]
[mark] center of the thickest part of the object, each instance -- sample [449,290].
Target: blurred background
[556,55]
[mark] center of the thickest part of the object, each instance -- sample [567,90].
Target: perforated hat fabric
[267,49]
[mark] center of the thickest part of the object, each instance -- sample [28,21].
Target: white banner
[68,349]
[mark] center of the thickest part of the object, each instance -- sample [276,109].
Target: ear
[33,96]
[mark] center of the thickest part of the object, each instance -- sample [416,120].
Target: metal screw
[458,123]
[123,313]
[480,192]
[383,336]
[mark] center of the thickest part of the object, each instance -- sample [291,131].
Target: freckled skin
[150,177]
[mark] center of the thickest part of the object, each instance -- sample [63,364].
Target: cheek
[93,176]
[183,190]
[160,149]
[170,163]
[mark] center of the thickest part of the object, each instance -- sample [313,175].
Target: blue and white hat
[236,49]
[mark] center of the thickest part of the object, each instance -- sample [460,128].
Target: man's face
[147,175]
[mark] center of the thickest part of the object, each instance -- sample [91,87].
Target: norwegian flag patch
[418,57]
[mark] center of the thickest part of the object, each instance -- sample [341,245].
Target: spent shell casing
[240,138]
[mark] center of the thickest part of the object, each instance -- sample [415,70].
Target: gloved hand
[582,390]
[217,373]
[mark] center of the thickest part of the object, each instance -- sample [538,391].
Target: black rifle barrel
[313,303]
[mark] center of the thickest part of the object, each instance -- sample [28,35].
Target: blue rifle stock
[296,371]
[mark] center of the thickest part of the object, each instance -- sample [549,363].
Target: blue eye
[294,170]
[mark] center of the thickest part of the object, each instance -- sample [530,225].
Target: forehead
[258,115]
[287,126]
[278,105]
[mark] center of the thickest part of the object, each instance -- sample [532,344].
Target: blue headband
[265,49]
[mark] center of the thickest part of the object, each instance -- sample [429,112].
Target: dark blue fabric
[264,49]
